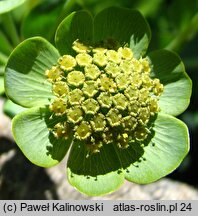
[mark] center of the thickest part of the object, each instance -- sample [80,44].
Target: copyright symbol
[9,207]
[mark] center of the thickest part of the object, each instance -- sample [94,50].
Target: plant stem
[10,28]
[185,35]
[3,58]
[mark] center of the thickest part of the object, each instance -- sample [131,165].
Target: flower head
[99,94]
[116,96]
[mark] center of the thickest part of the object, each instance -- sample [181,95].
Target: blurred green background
[174,26]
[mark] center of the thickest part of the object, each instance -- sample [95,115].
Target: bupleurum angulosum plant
[101,97]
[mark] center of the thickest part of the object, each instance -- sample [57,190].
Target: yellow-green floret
[105,96]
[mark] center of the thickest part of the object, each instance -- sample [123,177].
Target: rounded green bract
[106,96]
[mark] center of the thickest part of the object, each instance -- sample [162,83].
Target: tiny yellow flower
[131,93]
[60,89]
[125,53]
[134,107]
[146,65]
[83,131]
[113,56]
[158,87]
[137,66]
[90,106]
[75,97]
[126,66]
[100,59]
[112,69]
[144,115]
[122,81]
[123,140]
[106,84]
[54,74]
[98,123]
[141,133]
[58,106]
[75,78]
[153,106]
[75,114]
[114,117]
[83,59]
[90,88]
[120,101]
[92,71]
[67,62]
[129,123]
[62,130]
[105,100]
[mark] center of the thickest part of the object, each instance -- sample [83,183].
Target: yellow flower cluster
[105,96]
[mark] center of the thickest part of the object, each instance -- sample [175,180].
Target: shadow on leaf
[109,159]
[58,147]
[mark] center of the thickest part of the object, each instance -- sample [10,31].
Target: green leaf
[31,133]
[1,85]
[168,67]
[78,25]
[125,26]
[96,174]
[11,109]
[25,80]
[8,5]
[163,154]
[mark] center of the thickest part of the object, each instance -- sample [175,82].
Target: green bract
[99,95]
